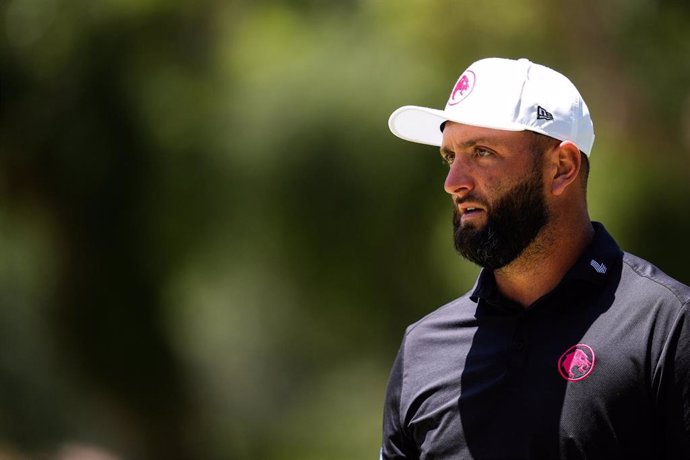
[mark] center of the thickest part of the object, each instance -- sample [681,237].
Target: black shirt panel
[598,368]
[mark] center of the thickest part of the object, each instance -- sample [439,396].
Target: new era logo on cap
[543,114]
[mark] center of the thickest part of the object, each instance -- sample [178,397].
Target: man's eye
[480,152]
[448,158]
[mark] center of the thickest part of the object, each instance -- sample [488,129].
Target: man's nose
[458,180]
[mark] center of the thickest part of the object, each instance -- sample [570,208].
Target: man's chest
[542,386]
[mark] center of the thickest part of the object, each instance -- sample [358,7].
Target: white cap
[506,94]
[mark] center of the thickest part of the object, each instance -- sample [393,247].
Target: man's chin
[465,230]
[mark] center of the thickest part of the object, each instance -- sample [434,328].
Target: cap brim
[418,124]
[423,125]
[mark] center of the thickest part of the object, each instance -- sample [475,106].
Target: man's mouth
[470,210]
[471,216]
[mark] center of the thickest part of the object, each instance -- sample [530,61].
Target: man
[566,347]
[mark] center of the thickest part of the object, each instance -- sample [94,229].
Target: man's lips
[470,210]
[471,214]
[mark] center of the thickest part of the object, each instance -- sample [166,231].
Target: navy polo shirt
[599,368]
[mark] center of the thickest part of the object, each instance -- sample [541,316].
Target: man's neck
[544,263]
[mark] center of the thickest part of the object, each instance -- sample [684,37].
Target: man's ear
[567,161]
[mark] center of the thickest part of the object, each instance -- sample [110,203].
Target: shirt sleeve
[397,444]
[673,391]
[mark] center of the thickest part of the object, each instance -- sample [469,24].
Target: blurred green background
[210,243]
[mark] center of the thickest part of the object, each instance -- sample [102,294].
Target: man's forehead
[461,135]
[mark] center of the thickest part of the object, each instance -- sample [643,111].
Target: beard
[513,222]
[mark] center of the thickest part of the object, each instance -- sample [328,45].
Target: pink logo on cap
[462,88]
[576,363]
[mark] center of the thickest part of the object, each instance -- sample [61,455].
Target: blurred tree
[74,147]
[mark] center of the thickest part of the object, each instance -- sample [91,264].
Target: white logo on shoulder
[600,268]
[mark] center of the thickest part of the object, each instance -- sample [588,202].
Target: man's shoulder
[646,279]
[435,347]
[451,315]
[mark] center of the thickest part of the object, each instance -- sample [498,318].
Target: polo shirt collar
[597,261]
[593,266]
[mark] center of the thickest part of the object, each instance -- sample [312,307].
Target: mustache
[470,199]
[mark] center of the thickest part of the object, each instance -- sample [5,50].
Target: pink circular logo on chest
[576,363]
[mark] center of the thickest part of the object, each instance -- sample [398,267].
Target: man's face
[496,185]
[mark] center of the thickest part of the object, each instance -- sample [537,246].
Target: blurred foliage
[211,244]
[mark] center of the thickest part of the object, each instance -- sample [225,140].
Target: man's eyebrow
[467,144]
